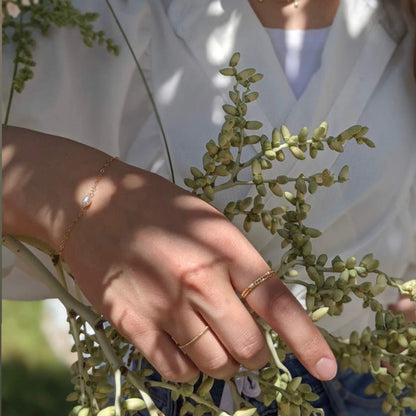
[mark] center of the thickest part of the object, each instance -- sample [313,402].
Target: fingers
[273,301]
[235,328]
[234,337]
[175,274]
[199,342]
[159,349]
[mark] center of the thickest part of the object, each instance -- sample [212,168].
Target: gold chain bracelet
[85,204]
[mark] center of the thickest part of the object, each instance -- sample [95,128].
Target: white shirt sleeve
[88,95]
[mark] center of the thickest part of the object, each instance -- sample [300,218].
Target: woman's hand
[158,263]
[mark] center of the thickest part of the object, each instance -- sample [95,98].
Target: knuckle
[199,283]
[281,303]
[193,279]
[219,366]
[250,348]
[131,325]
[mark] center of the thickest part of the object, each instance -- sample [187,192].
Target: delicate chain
[85,204]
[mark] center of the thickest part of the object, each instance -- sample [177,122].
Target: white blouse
[365,77]
[299,52]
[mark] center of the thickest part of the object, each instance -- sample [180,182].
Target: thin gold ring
[257,282]
[195,338]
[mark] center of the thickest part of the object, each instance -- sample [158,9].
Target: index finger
[274,302]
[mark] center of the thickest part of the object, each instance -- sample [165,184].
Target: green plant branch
[192,396]
[275,357]
[117,399]
[60,272]
[75,336]
[230,184]
[283,146]
[85,389]
[281,271]
[283,260]
[240,148]
[45,276]
[290,281]
[138,384]
[11,92]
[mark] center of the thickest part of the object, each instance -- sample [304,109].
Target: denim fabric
[296,369]
[162,397]
[343,396]
[347,397]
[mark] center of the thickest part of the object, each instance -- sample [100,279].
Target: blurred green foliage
[34,382]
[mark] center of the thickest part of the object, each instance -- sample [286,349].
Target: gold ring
[196,337]
[257,282]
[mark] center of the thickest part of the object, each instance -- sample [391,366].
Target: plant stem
[295,282]
[240,148]
[45,276]
[11,93]
[85,387]
[285,256]
[274,355]
[149,93]
[133,379]
[38,244]
[117,402]
[193,396]
[275,149]
[60,274]
[75,336]
[230,184]
[287,266]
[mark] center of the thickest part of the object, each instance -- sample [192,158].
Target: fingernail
[326,368]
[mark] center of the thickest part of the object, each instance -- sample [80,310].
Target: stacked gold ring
[257,282]
[265,276]
[195,338]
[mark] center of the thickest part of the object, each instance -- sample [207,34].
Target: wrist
[85,205]
[43,178]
